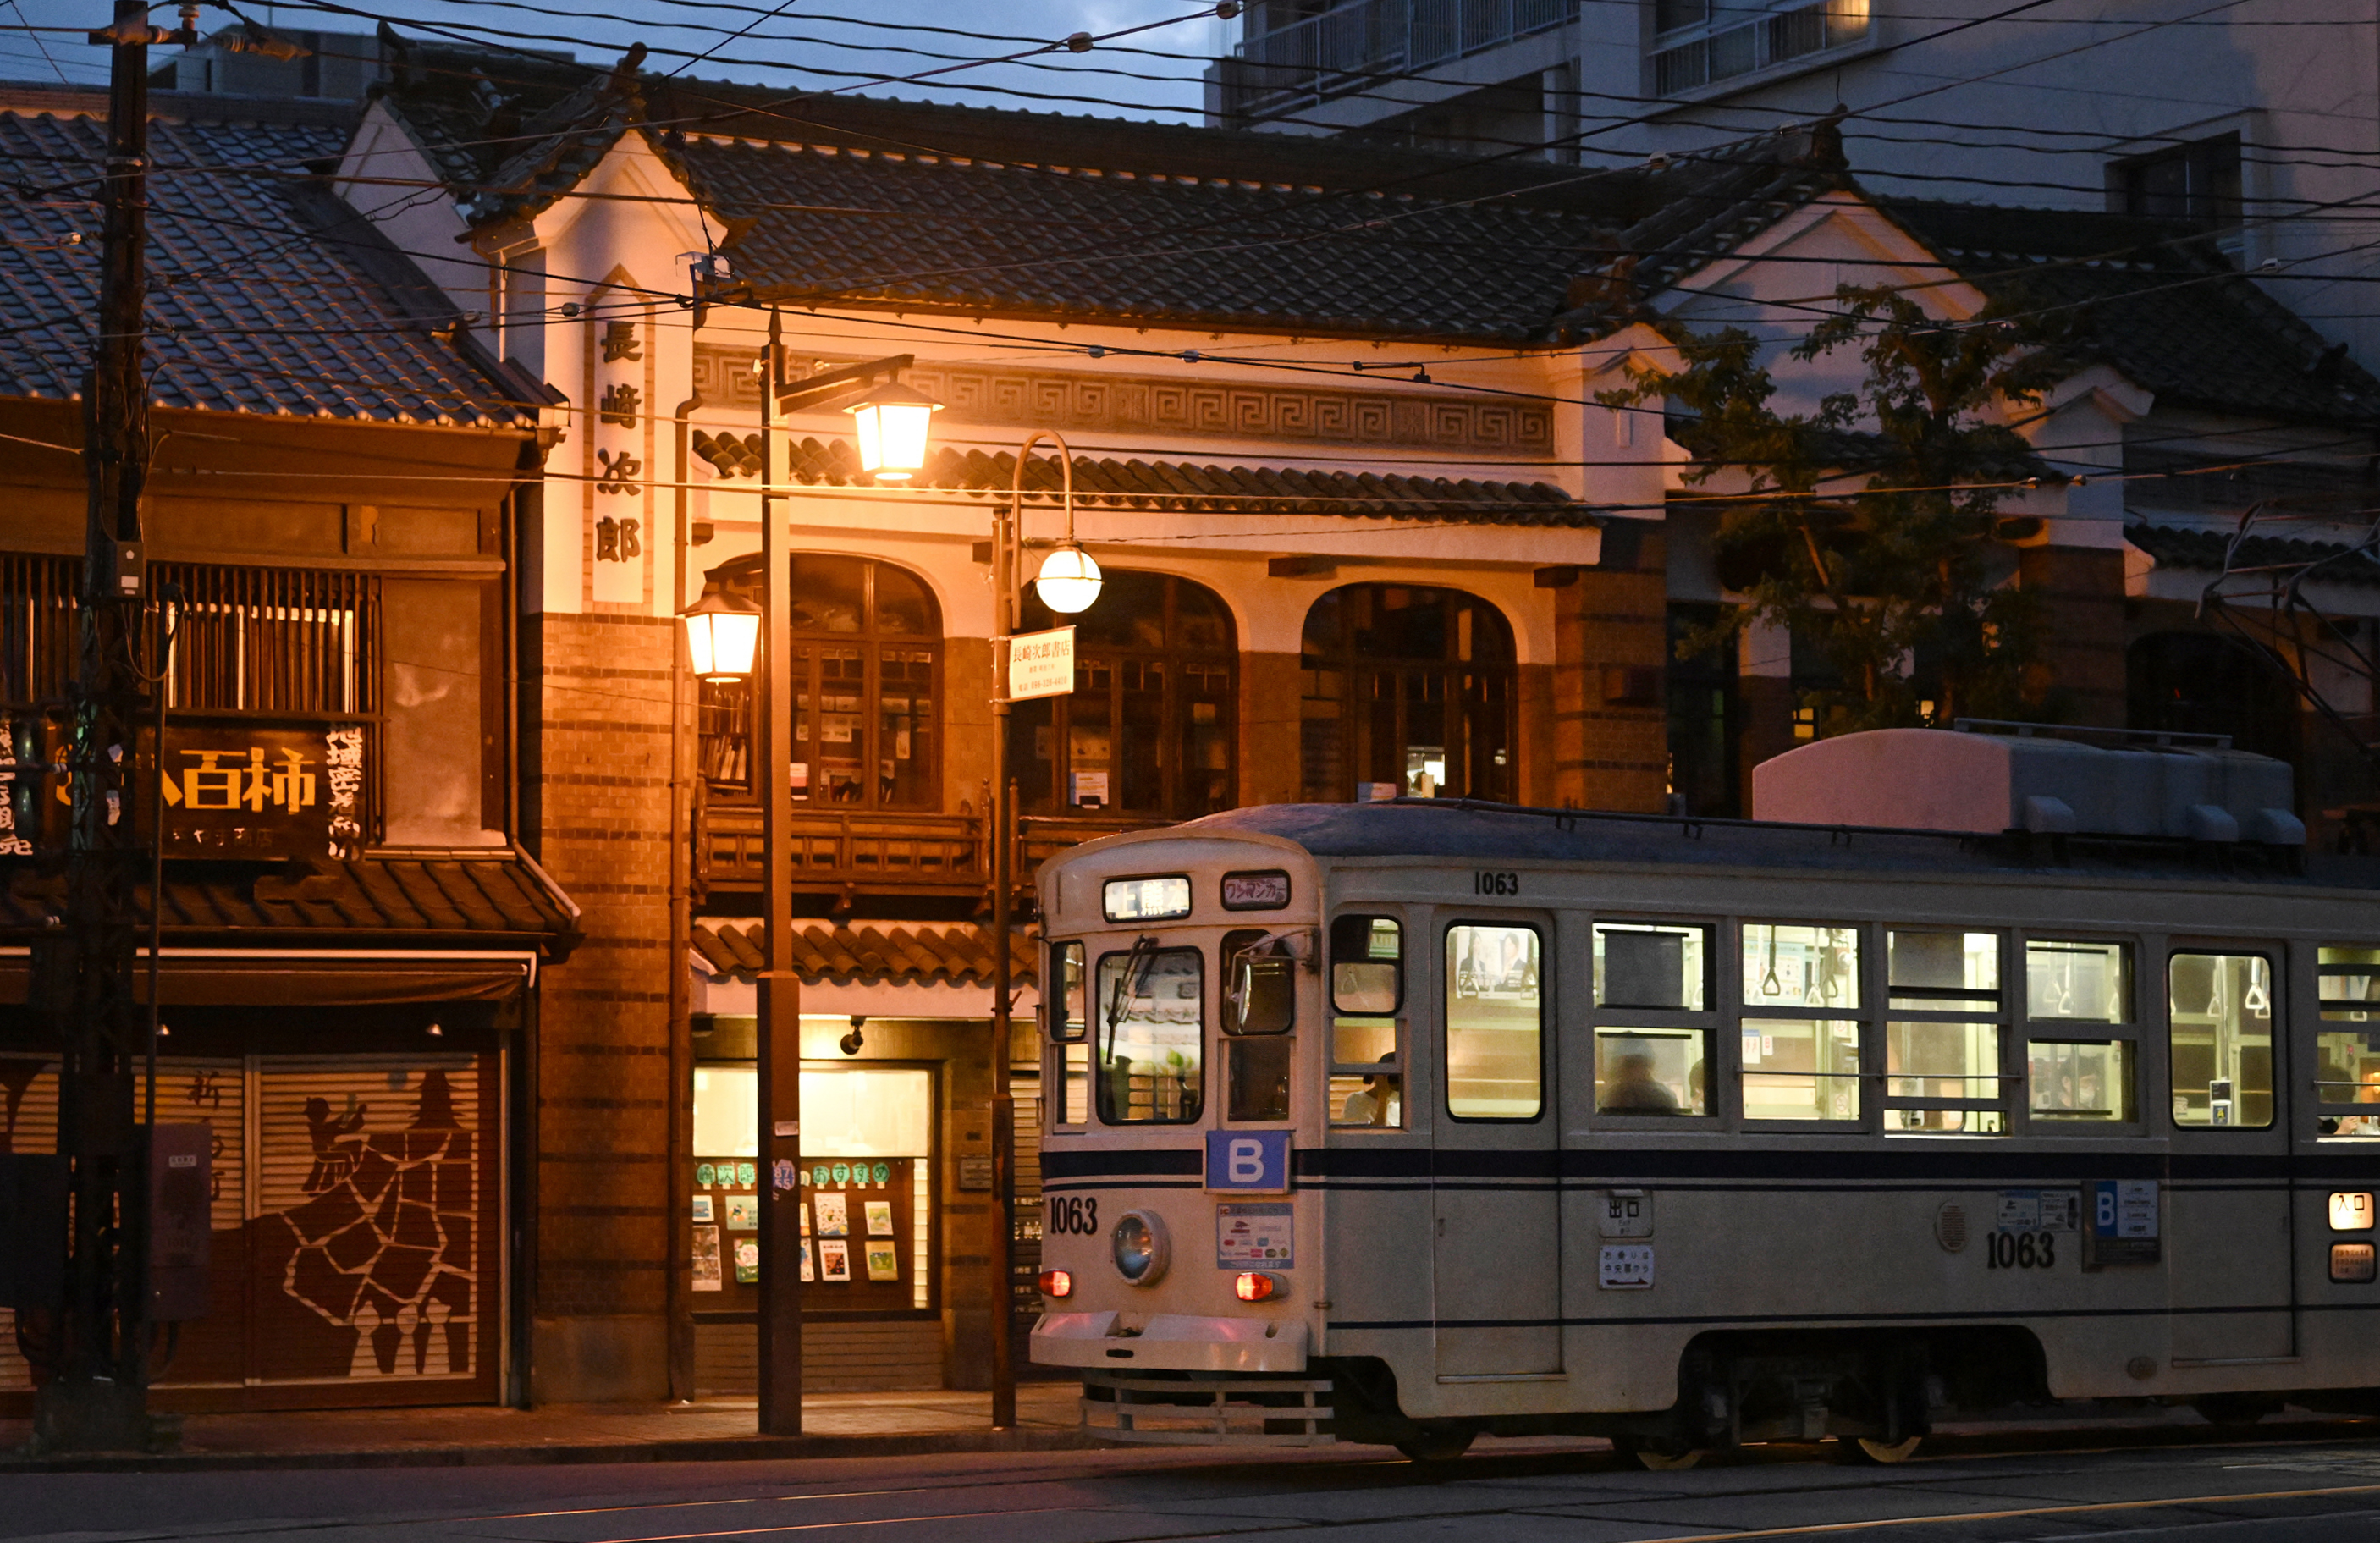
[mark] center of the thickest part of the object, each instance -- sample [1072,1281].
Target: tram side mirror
[1367,975]
[1259,983]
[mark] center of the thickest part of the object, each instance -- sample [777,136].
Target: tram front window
[1495,1067]
[1150,1004]
[2347,1050]
[2222,1045]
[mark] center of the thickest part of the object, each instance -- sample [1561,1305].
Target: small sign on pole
[1041,664]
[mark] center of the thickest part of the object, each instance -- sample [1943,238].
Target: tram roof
[1473,833]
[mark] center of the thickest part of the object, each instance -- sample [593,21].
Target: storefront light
[891,424]
[723,634]
[1069,581]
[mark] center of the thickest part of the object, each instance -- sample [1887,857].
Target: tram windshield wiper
[1133,975]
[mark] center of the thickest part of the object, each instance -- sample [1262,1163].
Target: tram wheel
[1660,1456]
[1436,1446]
[1886,1452]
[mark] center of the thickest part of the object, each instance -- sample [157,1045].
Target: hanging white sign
[1041,664]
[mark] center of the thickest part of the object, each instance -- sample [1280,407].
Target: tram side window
[1069,1026]
[1942,1039]
[1801,1023]
[2347,1050]
[1648,1063]
[1259,1007]
[2221,1007]
[2069,1078]
[1495,1023]
[1150,1006]
[1366,990]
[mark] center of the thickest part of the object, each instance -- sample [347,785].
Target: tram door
[1496,1257]
[2228,1223]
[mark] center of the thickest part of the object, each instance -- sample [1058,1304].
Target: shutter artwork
[353,1249]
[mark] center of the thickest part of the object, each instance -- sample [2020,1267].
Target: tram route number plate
[2119,1223]
[1625,1266]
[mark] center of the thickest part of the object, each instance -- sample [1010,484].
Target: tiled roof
[266,293]
[2202,551]
[1179,487]
[2157,300]
[959,955]
[968,210]
[502,895]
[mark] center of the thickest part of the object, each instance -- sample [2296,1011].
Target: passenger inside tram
[1375,1103]
[1633,1091]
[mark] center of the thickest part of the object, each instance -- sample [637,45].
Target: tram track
[2072,1449]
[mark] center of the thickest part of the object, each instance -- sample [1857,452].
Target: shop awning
[928,972]
[295,977]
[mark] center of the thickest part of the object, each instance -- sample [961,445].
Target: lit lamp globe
[723,634]
[1069,581]
[891,424]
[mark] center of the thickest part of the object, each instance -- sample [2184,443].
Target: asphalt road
[2319,1491]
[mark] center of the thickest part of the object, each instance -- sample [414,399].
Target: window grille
[1700,44]
[247,640]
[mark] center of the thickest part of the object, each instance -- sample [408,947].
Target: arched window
[867,659]
[1408,690]
[1149,729]
[2204,683]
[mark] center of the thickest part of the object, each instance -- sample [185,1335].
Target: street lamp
[722,633]
[891,423]
[1068,583]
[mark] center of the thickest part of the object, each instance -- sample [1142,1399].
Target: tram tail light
[1057,1282]
[1255,1285]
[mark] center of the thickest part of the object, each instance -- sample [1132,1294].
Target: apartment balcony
[1343,50]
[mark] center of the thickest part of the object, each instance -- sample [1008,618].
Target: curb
[730,1449]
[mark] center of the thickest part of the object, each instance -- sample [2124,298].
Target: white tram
[1405,1121]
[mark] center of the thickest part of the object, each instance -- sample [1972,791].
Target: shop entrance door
[1497,1246]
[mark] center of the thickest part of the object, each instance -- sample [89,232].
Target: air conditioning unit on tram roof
[1991,778]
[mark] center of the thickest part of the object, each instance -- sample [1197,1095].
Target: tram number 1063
[1072,1213]
[1486,881]
[2020,1250]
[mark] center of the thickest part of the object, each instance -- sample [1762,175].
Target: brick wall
[597,692]
[1611,663]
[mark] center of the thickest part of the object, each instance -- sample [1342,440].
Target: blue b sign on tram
[1254,1161]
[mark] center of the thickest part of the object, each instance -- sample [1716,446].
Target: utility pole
[98,1396]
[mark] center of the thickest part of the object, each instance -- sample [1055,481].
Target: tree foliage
[1871,528]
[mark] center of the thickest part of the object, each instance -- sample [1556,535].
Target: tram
[1408,1122]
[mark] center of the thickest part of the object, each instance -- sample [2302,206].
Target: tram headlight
[1138,1243]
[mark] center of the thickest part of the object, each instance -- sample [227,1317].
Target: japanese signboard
[249,790]
[1041,664]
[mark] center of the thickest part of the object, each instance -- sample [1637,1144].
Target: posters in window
[833,1217]
[748,1261]
[706,1258]
[883,1263]
[834,1259]
[879,1219]
[743,1213]
[802,1209]
[702,1208]
[809,1270]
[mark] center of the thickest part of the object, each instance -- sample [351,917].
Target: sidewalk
[833,1425]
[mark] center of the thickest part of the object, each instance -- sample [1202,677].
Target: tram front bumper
[1169,1341]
